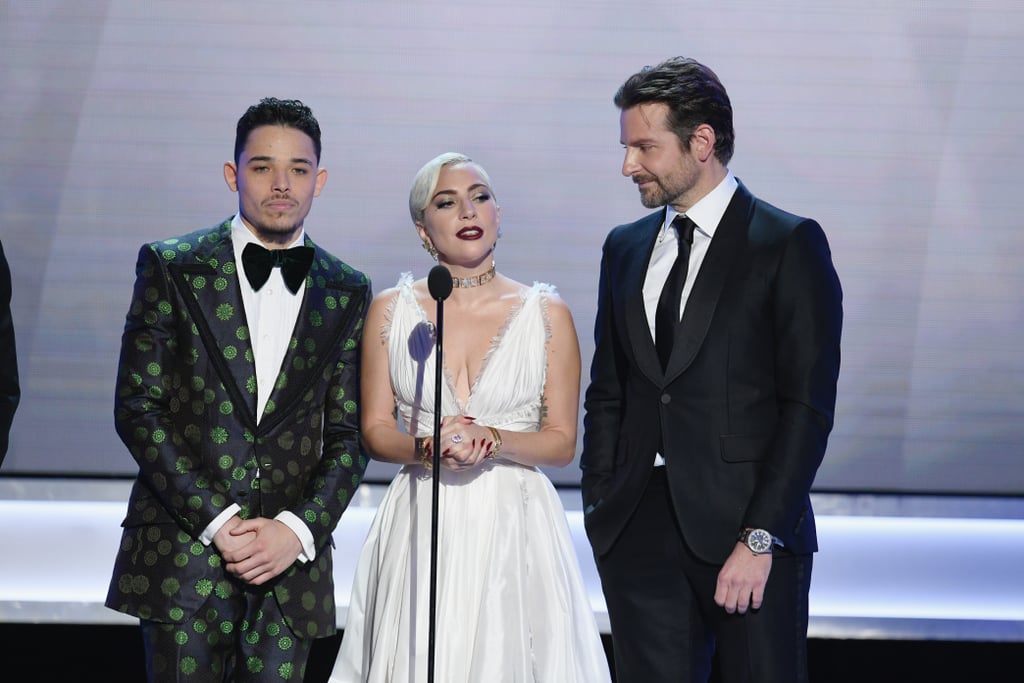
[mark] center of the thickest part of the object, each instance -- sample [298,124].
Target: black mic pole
[439,282]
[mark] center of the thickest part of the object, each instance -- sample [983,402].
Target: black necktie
[666,317]
[259,261]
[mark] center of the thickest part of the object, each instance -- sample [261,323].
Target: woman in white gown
[511,604]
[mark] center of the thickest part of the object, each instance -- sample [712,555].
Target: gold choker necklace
[475,280]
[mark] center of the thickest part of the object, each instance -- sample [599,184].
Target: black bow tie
[259,261]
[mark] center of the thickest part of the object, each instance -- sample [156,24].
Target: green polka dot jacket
[185,408]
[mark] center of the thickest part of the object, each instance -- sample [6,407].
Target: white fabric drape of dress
[511,604]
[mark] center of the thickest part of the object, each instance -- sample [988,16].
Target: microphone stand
[439,282]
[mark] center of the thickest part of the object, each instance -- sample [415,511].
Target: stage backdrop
[895,123]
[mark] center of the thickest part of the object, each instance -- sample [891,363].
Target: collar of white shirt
[707,213]
[241,236]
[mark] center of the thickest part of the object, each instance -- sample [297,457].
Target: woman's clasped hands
[464,443]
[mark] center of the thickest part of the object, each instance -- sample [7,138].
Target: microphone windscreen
[439,282]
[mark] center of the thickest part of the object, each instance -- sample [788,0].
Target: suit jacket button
[666,399]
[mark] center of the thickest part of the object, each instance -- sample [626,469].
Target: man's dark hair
[694,95]
[274,112]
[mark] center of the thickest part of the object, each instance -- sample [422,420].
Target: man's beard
[665,190]
[274,232]
[656,195]
[271,230]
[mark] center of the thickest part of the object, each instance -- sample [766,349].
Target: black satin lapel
[214,301]
[634,272]
[730,239]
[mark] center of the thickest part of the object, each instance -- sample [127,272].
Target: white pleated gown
[511,604]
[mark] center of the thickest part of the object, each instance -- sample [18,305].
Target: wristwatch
[759,541]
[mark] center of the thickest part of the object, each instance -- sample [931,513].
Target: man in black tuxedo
[712,396]
[10,390]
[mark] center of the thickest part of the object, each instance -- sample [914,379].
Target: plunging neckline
[496,342]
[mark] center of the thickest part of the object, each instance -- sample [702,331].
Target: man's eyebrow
[296,160]
[639,140]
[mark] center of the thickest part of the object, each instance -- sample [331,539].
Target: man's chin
[276,232]
[278,229]
[651,201]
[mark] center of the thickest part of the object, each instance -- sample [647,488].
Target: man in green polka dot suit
[237,395]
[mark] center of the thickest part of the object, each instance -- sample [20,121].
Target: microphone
[439,282]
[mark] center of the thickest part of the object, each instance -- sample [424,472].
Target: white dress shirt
[271,314]
[706,214]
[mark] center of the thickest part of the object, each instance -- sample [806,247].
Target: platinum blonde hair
[424,183]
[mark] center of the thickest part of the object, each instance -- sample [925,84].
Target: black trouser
[665,623]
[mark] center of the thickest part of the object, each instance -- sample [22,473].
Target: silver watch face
[759,541]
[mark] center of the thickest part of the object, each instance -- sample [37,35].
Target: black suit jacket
[10,390]
[746,405]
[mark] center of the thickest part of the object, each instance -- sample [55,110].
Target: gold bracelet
[497,442]
[422,453]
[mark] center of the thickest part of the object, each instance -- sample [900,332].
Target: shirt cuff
[211,530]
[298,527]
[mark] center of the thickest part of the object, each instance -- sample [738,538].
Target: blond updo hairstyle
[424,183]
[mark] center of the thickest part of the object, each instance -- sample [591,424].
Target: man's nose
[282,181]
[629,165]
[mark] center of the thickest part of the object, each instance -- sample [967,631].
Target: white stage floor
[890,567]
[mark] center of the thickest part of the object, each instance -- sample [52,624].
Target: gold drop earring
[429,248]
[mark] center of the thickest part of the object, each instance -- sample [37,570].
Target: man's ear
[321,178]
[231,175]
[702,142]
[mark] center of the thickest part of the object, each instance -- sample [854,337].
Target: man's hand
[742,580]
[226,542]
[272,549]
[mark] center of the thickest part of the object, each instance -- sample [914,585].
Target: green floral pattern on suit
[185,408]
